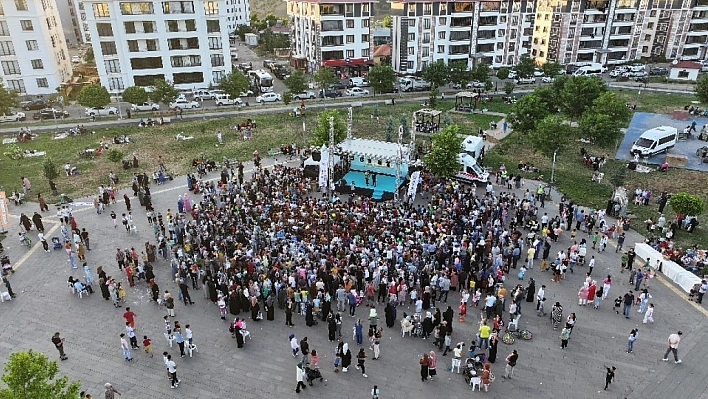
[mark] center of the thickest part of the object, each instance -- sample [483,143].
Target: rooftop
[373,149]
[687,65]
[383,50]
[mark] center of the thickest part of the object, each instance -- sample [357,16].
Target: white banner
[413,185]
[324,166]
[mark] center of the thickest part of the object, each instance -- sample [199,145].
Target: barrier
[654,259]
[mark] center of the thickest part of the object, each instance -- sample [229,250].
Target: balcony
[331,9]
[186,61]
[460,36]
[462,8]
[332,26]
[597,6]
[331,41]
[696,41]
[487,21]
[461,22]
[183,44]
[617,56]
[699,18]
[590,20]
[485,48]
[487,35]
[623,43]
[691,53]
[455,50]
[699,28]
[590,45]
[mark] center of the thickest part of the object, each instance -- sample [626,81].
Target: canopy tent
[427,115]
[374,149]
[465,100]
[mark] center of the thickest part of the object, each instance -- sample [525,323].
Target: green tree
[270,40]
[701,88]
[241,31]
[324,77]
[8,100]
[390,129]
[529,110]
[388,22]
[579,94]
[234,84]
[433,97]
[447,120]
[163,91]
[503,73]
[89,58]
[437,73]
[441,160]
[94,96]
[509,88]
[603,122]
[550,134]
[296,82]
[687,204]
[552,68]
[481,72]
[31,375]
[488,85]
[321,134]
[460,74]
[50,169]
[525,67]
[382,78]
[287,97]
[135,95]
[406,126]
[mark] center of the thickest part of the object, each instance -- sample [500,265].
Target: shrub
[115,155]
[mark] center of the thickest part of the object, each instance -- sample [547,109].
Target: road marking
[34,248]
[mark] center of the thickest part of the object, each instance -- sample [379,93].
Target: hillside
[279,9]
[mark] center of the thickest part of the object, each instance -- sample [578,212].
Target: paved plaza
[264,368]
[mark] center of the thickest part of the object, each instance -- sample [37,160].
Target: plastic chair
[456,363]
[476,381]
[82,293]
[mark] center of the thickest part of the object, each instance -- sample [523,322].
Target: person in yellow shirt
[529,257]
[484,334]
[502,292]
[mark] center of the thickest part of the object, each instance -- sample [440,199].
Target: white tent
[374,149]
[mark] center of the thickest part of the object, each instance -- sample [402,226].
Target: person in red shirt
[147,344]
[129,316]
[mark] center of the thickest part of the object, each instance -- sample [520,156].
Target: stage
[383,191]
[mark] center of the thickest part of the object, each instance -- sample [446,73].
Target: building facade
[33,53]
[331,33]
[136,42]
[239,13]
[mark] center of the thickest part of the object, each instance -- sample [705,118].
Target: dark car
[659,71]
[50,113]
[330,93]
[35,104]
[337,86]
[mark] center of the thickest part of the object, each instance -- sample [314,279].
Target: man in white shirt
[540,297]
[126,348]
[172,369]
[674,340]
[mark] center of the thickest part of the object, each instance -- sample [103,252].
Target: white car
[357,92]
[247,93]
[525,81]
[538,73]
[225,99]
[17,116]
[548,79]
[145,107]
[183,103]
[306,95]
[512,75]
[101,111]
[268,98]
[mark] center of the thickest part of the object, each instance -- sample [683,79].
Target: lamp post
[553,167]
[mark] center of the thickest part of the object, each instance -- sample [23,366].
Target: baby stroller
[313,374]
[6,266]
[56,242]
[417,326]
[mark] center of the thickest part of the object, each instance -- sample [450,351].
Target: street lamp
[553,167]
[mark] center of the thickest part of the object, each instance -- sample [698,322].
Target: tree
[603,122]
[525,67]
[388,22]
[382,78]
[270,40]
[287,97]
[390,129]
[89,58]
[406,127]
[433,97]
[321,134]
[8,100]
[234,84]
[241,31]
[488,85]
[50,169]
[701,88]
[481,72]
[509,88]
[296,82]
[503,73]
[163,91]
[460,73]
[447,121]
[686,204]
[31,375]
[441,160]
[437,73]
[135,95]
[528,111]
[579,93]
[550,134]
[94,96]
[552,68]
[324,77]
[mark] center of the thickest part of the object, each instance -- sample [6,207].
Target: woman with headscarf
[25,222]
[531,290]
[331,327]
[237,333]
[426,298]
[390,317]
[309,315]
[424,361]
[234,303]
[269,304]
[211,288]
[154,290]
[437,318]
[427,325]
[556,315]
[255,309]
[493,341]
[373,319]
[432,365]
[346,358]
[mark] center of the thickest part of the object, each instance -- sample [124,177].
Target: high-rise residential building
[137,42]
[33,54]
[69,21]
[332,33]
[80,22]
[239,13]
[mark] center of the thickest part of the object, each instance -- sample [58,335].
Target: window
[350,23]
[411,50]
[21,5]
[650,25]
[172,26]
[427,8]
[365,53]
[217,60]
[350,53]
[32,45]
[214,43]
[112,66]
[441,49]
[364,23]
[4,30]
[16,85]
[645,49]
[178,7]
[502,19]
[501,33]
[101,10]
[350,38]
[365,9]
[129,27]
[426,23]
[443,8]
[26,24]
[442,21]
[211,8]
[115,84]
[108,48]
[148,27]
[425,52]
[411,37]
[410,65]
[411,22]
[37,64]
[42,82]
[349,9]
[411,10]
[104,30]
[218,76]
[146,63]
[10,67]
[212,26]
[7,48]
[647,38]
[152,44]
[133,46]
[139,8]
[426,37]
[364,38]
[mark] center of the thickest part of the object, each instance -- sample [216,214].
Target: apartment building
[332,33]
[239,13]
[33,54]
[136,42]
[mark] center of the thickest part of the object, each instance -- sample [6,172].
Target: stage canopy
[374,149]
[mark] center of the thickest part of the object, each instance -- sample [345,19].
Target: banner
[324,168]
[4,211]
[413,185]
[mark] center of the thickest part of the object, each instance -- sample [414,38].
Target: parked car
[203,94]
[50,113]
[337,86]
[658,71]
[145,107]
[512,75]
[357,92]
[525,81]
[225,99]
[330,93]
[247,93]
[538,73]
[617,72]
[17,116]
[34,105]
[306,95]
[183,103]
[548,79]
[268,98]
[101,111]
[76,59]
[472,84]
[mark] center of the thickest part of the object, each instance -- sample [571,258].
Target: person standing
[360,360]
[620,242]
[510,364]
[702,291]
[432,365]
[110,392]
[631,339]
[126,347]
[649,314]
[609,376]
[172,370]
[59,344]
[423,367]
[8,286]
[556,315]
[180,341]
[627,300]
[375,392]
[300,377]
[130,332]
[674,341]
[565,336]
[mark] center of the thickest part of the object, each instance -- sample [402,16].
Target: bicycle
[508,338]
[24,240]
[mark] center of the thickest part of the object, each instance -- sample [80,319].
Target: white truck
[410,83]
[470,171]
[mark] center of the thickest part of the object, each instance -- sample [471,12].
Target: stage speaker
[316,156]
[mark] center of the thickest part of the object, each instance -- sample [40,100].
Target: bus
[262,80]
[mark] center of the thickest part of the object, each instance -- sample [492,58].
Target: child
[573,234]
[618,304]
[147,344]
[477,296]
[168,327]
[522,272]
[375,392]
[448,342]
[294,345]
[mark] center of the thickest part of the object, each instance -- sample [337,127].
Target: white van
[358,82]
[654,141]
[470,171]
[588,71]
[473,146]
